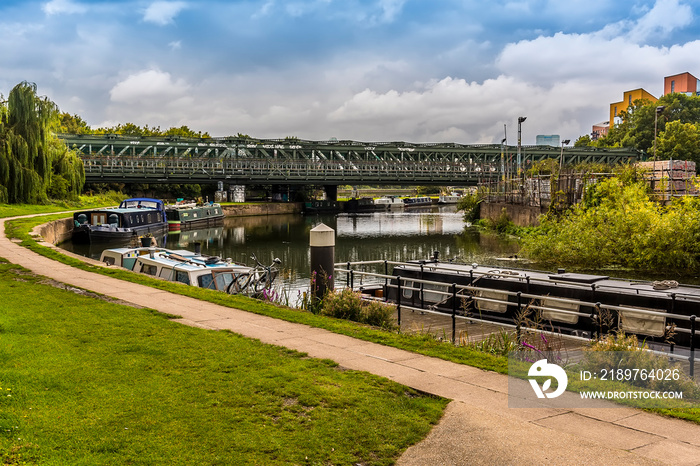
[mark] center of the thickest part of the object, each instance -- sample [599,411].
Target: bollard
[322,245]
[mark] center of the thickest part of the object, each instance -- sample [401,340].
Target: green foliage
[470,204]
[679,141]
[584,141]
[619,225]
[502,225]
[349,305]
[73,124]
[426,190]
[30,155]
[637,127]
[620,351]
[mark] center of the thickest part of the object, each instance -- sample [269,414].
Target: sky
[365,70]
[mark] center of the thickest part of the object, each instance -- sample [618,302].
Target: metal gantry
[134,159]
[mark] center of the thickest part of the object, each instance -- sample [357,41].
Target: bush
[348,304]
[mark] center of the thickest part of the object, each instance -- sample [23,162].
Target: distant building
[684,83]
[629,97]
[547,140]
[600,130]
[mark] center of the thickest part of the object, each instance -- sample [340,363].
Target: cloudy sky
[368,70]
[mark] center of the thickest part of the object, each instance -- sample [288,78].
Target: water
[395,236]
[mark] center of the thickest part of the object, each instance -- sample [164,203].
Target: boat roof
[562,278]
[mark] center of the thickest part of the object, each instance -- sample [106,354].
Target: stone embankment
[60,230]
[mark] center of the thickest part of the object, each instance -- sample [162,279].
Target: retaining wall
[244,210]
[522,216]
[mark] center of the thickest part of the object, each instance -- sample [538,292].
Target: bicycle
[258,279]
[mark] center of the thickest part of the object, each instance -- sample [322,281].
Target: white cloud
[664,17]
[175,45]
[148,85]
[163,13]
[56,7]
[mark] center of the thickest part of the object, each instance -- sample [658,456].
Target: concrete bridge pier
[331,192]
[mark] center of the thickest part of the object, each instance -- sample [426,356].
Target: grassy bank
[86,381]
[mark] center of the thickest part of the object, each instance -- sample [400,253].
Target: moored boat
[449,198]
[421,201]
[388,203]
[585,305]
[192,268]
[184,215]
[134,217]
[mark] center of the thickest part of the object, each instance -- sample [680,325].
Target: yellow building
[628,99]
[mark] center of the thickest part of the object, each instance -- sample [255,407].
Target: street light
[520,120]
[659,109]
[503,165]
[565,142]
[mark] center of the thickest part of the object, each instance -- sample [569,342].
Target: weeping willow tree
[34,164]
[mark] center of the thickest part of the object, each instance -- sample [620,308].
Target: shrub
[348,304]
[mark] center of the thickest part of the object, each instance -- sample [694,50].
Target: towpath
[478,427]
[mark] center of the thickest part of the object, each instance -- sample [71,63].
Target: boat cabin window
[223,280]
[406,290]
[433,297]
[166,273]
[182,277]
[114,220]
[149,269]
[206,281]
[98,218]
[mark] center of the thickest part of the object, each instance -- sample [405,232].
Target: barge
[193,268]
[661,313]
[191,215]
[134,217]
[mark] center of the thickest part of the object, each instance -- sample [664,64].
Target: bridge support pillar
[331,192]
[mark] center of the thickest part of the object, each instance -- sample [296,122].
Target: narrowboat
[449,198]
[417,201]
[321,206]
[134,217]
[388,203]
[659,312]
[191,215]
[189,268]
[363,204]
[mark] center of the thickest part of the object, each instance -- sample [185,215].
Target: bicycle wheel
[239,284]
[261,283]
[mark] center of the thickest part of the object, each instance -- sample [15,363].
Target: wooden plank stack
[670,178]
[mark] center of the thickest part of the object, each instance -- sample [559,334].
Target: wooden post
[322,243]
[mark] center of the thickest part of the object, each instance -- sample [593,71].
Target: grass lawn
[85,381]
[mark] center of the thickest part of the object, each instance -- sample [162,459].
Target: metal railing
[468,293]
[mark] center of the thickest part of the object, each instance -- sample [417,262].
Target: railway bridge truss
[244,161]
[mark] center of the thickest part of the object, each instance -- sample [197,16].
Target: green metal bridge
[244,161]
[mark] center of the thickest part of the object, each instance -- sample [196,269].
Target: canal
[395,236]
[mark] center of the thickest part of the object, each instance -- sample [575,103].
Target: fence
[556,307]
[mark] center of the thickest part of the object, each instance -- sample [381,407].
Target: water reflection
[394,236]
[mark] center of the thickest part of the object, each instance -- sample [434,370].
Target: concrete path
[478,427]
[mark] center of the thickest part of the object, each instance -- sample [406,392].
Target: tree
[637,127]
[679,141]
[29,153]
[73,124]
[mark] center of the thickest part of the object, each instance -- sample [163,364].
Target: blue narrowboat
[134,217]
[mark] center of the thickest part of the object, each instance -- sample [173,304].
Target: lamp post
[565,142]
[503,165]
[520,120]
[659,109]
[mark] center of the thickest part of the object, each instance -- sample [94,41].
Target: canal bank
[58,231]
[478,428]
